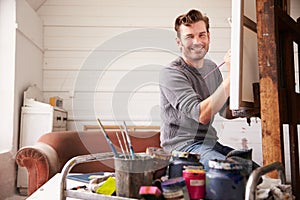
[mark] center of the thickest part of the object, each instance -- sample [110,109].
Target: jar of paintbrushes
[133,170]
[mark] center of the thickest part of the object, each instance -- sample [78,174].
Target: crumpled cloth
[273,189]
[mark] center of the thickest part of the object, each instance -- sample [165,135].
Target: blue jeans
[208,149]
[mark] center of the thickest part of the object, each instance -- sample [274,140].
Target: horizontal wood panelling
[89,38]
[89,21]
[104,81]
[80,60]
[72,60]
[127,41]
[112,105]
[130,13]
[100,80]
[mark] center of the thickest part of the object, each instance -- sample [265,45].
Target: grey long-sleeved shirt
[182,88]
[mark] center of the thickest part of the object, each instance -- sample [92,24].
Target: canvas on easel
[244,57]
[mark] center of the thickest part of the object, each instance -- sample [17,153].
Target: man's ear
[178,42]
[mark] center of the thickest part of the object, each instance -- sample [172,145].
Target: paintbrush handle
[129,141]
[107,139]
[214,69]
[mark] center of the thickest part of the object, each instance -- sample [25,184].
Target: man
[192,91]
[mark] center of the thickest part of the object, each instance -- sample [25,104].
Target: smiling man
[192,91]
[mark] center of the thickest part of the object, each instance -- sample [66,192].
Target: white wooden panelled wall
[103,58]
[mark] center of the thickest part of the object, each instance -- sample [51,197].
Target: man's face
[194,41]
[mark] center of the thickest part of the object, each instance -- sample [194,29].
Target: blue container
[181,160]
[224,181]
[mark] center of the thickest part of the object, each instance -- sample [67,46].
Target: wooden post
[276,32]
[269,93]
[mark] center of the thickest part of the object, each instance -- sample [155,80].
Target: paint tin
[195,182]
[181,160]
[224,181]
[175,188]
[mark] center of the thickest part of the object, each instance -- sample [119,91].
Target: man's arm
[226,112]
[211,105]
[214,103]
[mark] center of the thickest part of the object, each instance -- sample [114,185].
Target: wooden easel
[279,103]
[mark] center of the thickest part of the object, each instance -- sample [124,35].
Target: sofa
[52,151]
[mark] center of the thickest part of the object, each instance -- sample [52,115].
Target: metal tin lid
[224,165]
[173,182]
[186,155]
[195,171]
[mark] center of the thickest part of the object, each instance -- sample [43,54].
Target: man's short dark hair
[189,18]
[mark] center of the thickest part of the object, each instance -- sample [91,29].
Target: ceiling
[36,4]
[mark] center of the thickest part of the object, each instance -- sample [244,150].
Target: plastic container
[224,181]
[175,188]
[182,160]
[195,182]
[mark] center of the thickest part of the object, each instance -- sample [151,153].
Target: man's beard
[197,52]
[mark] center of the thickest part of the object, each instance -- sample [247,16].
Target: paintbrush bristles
[124,140]
[121,146]
[129,141]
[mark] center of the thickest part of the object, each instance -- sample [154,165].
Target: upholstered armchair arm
[41,162]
